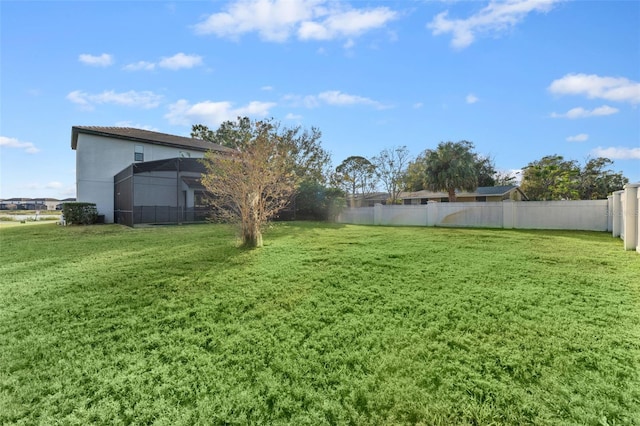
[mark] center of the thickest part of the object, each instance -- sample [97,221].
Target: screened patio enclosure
[160,192]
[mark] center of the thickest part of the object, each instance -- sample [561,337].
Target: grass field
[326,324]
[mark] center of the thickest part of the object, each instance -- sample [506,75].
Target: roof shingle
[148,136]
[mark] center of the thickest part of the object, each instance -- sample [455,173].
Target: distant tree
[504,179]
[318,202]
[232,134]
[597,182]
[391,166]
[485,170]
[307,159]
[453,165]
[356,175]
[415,177]
[551,178]
[254,183]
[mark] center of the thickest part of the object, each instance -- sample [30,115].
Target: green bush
[314,201]
[76,213]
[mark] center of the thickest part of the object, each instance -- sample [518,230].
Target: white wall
[99,158]
[577,215]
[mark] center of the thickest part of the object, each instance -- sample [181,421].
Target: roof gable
[146,136]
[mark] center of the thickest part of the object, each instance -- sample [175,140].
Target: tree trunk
[452,195]
[251,235]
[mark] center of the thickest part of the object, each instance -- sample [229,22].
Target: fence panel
[619,214]
[586,215]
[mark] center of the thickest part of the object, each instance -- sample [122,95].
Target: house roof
[481,191]
[146,136]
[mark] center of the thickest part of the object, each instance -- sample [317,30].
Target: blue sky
[520,79]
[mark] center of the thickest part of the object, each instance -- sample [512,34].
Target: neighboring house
[29,204]
[131,160]
[483,193]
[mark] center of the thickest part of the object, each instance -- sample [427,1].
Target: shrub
[314,201]
[79,213]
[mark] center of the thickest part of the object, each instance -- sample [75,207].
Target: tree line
[273,168]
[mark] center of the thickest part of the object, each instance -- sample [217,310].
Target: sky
[521,79]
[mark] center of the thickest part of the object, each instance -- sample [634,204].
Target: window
[481,198]
[184,154]
[139,153]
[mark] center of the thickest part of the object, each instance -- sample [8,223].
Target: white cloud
[617,153]
[267,88]
[54,185]
[418,105]
[337,98]
[180,60]
[213,113]
[578,138]
[616,89]
[135,126]
[471,98]
[292,116]
[175,62]
[103,60]
[580,112]
[29,148]
[140,66]
[346,23]
[278,20]
[496,17]
[132,98]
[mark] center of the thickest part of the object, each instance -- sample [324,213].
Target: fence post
[631,216]
[638,219]
[610,213]
[617,213]
[507,214]
[377,214]
[432,213]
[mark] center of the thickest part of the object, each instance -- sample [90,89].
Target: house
[482,194]
[125,170]
[29,204]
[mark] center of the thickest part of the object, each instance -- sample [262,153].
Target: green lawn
[326,324]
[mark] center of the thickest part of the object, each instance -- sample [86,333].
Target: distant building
[136,176]
[30,204]
[481,194]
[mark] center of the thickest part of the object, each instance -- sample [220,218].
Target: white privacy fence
[625,217]
[618,214]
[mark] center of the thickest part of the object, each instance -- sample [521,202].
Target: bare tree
[391,166]
[253,184]
[356,175]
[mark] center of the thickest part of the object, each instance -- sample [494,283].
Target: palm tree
[451,166]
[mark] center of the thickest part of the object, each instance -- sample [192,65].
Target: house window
[184,154]
[407,201]
[139,153]
[481,198]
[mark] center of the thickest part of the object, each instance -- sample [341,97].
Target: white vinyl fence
[625,218]
[618,214]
